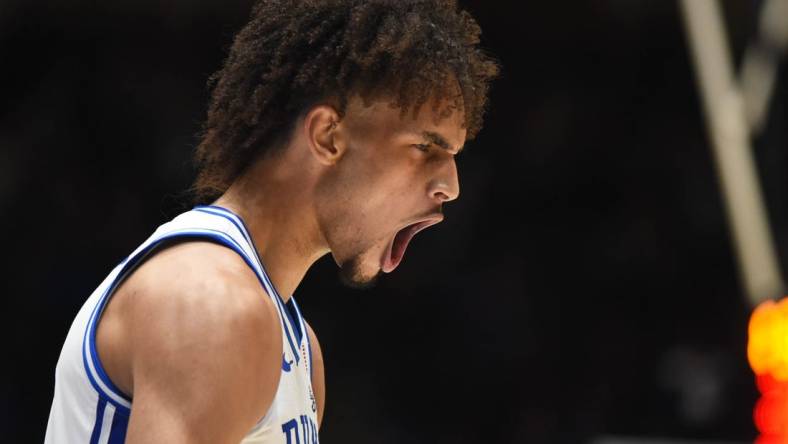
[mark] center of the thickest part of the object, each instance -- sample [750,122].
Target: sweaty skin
[191,334]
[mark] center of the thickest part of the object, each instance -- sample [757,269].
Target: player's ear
[320,128]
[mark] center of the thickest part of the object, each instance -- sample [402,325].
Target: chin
[355,273]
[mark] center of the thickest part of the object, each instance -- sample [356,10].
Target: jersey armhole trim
[302,324]
[265,280]
[93,367]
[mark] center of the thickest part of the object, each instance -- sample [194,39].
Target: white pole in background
[759,66]
[728,130]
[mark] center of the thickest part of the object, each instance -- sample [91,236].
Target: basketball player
[333,128]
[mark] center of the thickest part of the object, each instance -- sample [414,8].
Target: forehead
[387,120]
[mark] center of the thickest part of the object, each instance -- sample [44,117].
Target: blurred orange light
[767,351]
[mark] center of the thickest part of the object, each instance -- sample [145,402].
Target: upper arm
[205,355]
[318,374]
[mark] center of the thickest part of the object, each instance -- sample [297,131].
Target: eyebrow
[439,140]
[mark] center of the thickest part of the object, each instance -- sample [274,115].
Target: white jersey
[88,408]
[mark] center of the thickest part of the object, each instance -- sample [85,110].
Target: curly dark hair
[294,53]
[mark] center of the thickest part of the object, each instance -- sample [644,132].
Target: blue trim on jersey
[217,212]
[299,317]
[302,323]
[102,395]
[229,215]
[100,406]
[97,364]
[127,267]
[117,434]
[88,342]
[244,230]
[292,315]
[287,320]
[308,341]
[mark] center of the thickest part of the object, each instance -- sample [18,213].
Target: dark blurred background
[583,287]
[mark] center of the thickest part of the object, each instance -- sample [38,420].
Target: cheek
[375,200]
[360,203]
[349,225]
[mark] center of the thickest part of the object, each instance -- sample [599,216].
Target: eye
[425,147]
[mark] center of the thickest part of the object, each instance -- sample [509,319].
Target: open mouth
[396,248]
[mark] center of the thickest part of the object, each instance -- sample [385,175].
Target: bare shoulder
[204,289]
[318,373]
[206,280]
[205,345]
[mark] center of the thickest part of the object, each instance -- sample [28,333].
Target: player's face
[390,183]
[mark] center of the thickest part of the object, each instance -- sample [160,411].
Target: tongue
[397,251]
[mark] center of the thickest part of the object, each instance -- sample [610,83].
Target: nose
[445,186]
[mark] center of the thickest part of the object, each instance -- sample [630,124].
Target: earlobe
[321,127]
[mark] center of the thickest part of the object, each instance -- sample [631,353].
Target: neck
[274,198]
